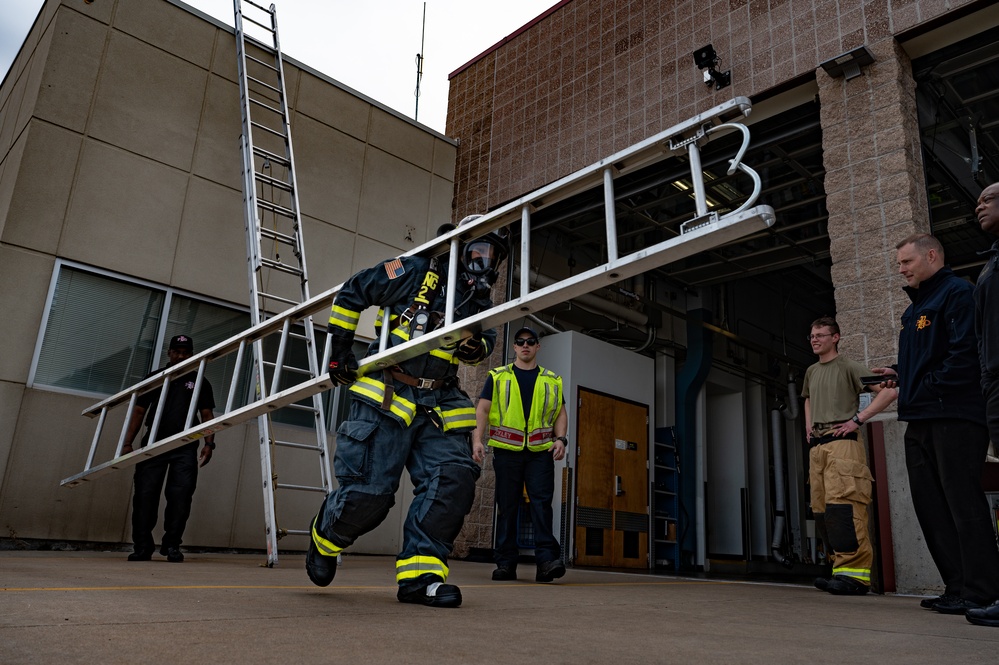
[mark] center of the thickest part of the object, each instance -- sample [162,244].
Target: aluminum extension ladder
[275,245]
[705,231]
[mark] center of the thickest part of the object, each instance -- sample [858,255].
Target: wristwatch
[565,441]
[856,419]
[210,444]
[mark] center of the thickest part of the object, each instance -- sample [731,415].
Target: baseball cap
[179,342]
[525,329]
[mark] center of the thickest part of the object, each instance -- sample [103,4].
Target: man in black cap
[179,467]
[521,414]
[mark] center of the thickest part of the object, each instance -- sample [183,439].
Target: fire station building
[121,224]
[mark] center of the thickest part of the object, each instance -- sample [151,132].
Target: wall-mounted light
[848,65]
[706,57]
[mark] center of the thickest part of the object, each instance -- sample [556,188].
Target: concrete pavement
[94,607]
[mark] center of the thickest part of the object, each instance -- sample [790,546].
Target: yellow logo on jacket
[923,322]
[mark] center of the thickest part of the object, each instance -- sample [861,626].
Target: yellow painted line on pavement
[206,587]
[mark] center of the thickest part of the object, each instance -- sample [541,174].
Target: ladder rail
[699,234]
[503,216]
[706,236]
[265,111]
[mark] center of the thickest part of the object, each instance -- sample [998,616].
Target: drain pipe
[780,500]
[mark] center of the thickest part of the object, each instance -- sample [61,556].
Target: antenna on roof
[419,63]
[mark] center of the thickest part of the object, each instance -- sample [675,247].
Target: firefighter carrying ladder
[275,246]
[705,231]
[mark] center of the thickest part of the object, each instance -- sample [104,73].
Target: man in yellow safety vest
[521,414]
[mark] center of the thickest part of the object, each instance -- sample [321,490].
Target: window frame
[168,294]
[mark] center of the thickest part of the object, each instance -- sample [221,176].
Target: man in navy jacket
[987,322]
[946,438]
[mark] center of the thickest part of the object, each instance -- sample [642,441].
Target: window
[103,333]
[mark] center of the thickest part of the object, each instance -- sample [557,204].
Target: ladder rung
[295,444]
[260,7]
[268,129]
[283,267]
[297,532]
[264,84]
[262,25]
[291,368]
[280,237]
[273,182]
[299,407]
[268,296]
[265,106]
[274,157]
[303,488]
[265,47]
[275,208]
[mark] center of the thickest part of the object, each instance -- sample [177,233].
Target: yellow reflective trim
[375,390]
[326,548]
[859,573]
[342,317]
[413,567]
[447,356]
[457,418]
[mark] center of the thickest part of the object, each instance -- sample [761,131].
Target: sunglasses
[530,341]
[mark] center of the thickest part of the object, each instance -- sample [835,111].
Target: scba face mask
[481,259]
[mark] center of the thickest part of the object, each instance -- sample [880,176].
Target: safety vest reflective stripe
[342,317]
[326,548]
[458,418]
[859,573]
[374,391]
[413,567]
[506,435]
[540,435]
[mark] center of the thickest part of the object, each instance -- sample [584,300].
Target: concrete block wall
[119,128]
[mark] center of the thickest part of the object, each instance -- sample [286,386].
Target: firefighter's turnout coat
[395,425]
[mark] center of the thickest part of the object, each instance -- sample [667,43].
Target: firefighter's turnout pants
[840,493]
[372,449]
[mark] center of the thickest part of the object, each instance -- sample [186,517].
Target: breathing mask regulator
[481,257]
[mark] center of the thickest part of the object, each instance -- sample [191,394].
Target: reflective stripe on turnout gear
[463,417]
[863,574]
[374,391]
[413,567]
[325,547]
[341,317]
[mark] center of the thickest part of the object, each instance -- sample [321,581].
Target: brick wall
[596,76]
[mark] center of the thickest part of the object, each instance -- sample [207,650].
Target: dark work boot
[321,569]
[141,554]
[436,594]
[844,585]
[504,573]
[550,570]
[984,616]
[172,554]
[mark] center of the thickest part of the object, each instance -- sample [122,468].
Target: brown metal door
[612,521]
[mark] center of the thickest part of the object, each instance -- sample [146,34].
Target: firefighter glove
[343,368]
[471,350]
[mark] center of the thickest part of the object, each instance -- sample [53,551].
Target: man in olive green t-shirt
[837,462]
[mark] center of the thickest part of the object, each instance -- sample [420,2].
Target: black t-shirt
[177,403]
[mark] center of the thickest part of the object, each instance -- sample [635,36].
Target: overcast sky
[370,46]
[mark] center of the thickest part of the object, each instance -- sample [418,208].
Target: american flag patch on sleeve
[394,268]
